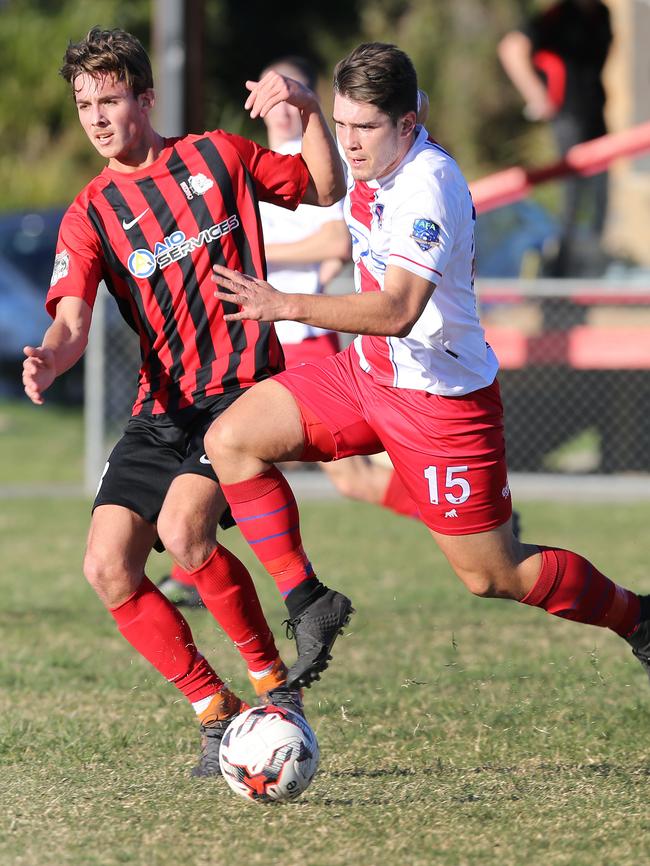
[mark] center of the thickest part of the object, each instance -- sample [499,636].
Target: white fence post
[94,395]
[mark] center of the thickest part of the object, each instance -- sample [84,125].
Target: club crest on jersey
[196,184]
[378,213]
[426,233]
[61,267]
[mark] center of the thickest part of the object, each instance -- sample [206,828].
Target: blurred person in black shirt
[555,60]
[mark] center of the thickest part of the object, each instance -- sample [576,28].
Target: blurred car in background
[27,246]
[28,242]
[22,314]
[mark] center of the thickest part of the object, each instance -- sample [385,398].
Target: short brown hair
[381,74]
[109,52]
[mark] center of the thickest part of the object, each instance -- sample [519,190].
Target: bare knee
[346,484]
[479,584]
[357,478]
[492,564]
[225,439]
[485,584]
[183,545]
[109,577]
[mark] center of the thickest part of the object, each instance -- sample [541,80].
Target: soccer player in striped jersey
[419,381]
[151,225]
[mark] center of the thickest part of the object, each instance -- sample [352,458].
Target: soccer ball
[269,754]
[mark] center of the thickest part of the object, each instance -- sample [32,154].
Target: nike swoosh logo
[204,459]
[126,225]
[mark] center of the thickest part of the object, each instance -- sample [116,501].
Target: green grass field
[40,445]
[452,730]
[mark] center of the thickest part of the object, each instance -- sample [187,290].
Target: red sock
[267,515]
[155,628]
[181,576]
[398,499]
[571,587]
[228,592]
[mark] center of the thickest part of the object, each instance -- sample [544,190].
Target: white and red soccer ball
[269,754]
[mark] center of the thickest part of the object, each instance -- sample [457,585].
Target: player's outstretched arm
[389,313]
[63,344]
[319,149]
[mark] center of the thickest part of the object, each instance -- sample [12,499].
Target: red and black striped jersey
[153,236]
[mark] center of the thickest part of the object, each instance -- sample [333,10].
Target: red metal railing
[590,157]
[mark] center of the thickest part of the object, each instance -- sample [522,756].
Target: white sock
[203,704]
[258,675]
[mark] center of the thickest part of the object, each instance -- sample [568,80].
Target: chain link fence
[575,375]
[111,368]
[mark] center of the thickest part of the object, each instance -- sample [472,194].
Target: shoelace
[208,734]
[290,627]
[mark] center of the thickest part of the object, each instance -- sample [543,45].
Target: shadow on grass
[440,769]
[48,615]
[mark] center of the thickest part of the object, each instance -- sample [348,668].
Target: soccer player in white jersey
[305,249]
[420,381]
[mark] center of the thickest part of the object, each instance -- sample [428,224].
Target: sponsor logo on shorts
[506,491]
[452,513]
[205,459]
[61,267]
[142,262]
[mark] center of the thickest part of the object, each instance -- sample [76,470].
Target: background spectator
[555,60]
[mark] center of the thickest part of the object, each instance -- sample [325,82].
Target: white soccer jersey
[285,226]
[421,218]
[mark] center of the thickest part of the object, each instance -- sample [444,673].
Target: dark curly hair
[113,52]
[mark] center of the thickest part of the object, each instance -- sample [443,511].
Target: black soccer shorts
[154,450]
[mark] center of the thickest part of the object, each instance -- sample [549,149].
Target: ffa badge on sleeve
[425,233]
[378,213]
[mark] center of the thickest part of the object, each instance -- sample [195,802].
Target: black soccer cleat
[225,707]
[639,640]
[315,631]
[211,737]
[284,698]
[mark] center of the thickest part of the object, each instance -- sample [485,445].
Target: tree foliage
[45,158]
[44,155]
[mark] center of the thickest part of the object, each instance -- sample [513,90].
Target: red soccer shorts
[311,350]
[448,451]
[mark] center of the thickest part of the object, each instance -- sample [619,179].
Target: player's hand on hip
[273,88]
[257,299]
[39,371]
